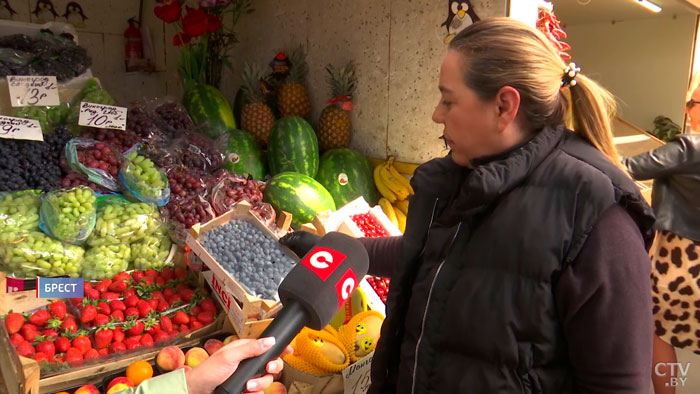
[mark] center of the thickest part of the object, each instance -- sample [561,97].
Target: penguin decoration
[44,11]
[460,14]
[75,15]
[6,11]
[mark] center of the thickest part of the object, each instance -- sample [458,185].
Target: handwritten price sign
[20,129]
[26,91]
[356,378]
[102,116]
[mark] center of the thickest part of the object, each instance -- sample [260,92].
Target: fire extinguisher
[133,46]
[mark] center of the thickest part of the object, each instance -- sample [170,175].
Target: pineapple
[256,116]
[292,97]
[334,123]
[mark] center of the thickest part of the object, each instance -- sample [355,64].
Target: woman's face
[470,123]
[693,111]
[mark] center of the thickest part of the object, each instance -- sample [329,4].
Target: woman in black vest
[523,268]
[675,168]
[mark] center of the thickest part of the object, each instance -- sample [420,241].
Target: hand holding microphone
[311,294]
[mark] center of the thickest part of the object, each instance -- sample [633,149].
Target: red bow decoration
[345,100]
[169,12]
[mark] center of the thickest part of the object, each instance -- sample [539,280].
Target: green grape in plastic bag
[19,213]
[36,254]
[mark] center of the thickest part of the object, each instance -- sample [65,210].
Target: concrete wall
[644,62]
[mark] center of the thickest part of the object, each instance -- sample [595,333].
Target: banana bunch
[395,190]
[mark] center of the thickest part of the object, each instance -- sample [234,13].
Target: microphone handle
[288,323]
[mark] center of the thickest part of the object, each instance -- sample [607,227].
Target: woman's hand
[205,377]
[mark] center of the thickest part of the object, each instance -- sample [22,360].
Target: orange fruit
[139,371]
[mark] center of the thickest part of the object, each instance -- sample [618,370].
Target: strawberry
[133,342]
[168,292]
[161,336]
[129,292]
[175,299]
[117,305]
[87,286]
[103,285]
[49,333]
[103,352]
[62,344]
[58,309]
[16,338]
[55,323]
[147,340]
[160,281]
[151,273]
[103,308]
[25,349]
[117,347]
[195,311]
[118,286]
[76,302]
[29,332]
[74,356]
[187,294]
[117,316]
[147,281]
[173,333]
[121,276]
[136,276]
[39,357]
[45,346]
[181,287]
[88,313]
[205,318]
[92,294]
[110,295]
[153,303]
[104,336]
[131,313]
[118,335]
[162,306]
[82,343]
[180,273]
[14,322]
[184,328]
[181,318]
[39,318]
[100,319]
[167,273]
[69,325]
[196,324]
[157,294]
[151,326]
[134,328]
[208,305]
[166,324]
[144,308]
[131,301]
[90,354]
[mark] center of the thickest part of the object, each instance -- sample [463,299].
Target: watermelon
[208,106]
[299,195]
[244,156]
[293,146]
[347,175]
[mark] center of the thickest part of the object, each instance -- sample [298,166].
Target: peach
[230,339]
[120,380]
[195,356]
[212,345]
[187,368]
[87,389]
[118,387]
[276,388]
[170,358]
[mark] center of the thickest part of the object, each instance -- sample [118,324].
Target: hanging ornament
[548,24]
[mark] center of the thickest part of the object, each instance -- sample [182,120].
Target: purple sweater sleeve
[384,254]
[604,304]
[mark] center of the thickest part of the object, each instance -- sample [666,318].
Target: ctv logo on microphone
[323,261]
[345,286]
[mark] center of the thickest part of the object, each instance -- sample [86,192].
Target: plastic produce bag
[124,223]
[48,117]
[19,213]
[36,254]
[100,176]
[105,261]
[171,116]
[151,251]
[198,152]
[143,180]
[92,93]
[231,190]
[69,215]
[142,122]
[181,213]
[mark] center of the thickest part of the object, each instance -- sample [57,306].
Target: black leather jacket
[675,169]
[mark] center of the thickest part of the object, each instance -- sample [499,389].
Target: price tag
[356,378]
[32,90]
[102,116]
[20,129]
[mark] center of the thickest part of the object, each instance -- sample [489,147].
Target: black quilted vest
[498,237]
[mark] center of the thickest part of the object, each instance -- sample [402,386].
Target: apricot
[195,356]
[118,387]
[170,358]
[120,380]
[87,389]
[212,345]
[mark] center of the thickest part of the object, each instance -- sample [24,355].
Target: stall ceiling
[592,11]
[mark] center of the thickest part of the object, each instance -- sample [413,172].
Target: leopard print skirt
[675,276]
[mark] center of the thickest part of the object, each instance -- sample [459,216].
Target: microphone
[311,294]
